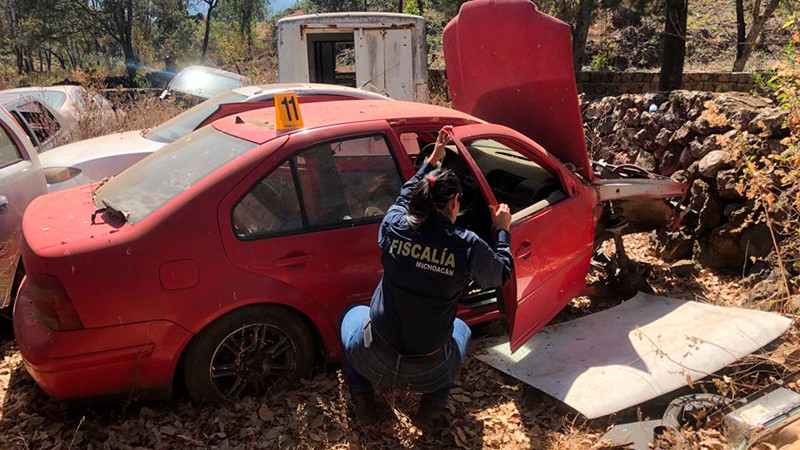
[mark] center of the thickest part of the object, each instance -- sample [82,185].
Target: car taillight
[54,306]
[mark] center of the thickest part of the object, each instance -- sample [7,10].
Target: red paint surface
[510,64]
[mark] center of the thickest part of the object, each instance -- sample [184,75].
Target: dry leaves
[487,409]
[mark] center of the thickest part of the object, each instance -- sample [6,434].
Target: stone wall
[698,138]
[601,84]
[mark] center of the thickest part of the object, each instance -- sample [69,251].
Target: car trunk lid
[65,217]
[510,64]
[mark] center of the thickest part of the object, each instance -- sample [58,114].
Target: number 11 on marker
[287,112]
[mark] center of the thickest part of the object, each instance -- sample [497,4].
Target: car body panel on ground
[94,159]
[21,181]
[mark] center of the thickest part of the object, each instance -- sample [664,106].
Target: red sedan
[231,253]
[225,260]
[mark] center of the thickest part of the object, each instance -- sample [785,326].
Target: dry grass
[139,112]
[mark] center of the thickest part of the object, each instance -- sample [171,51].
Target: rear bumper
[96,361]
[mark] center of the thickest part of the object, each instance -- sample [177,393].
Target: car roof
[258,126]
[60,88]
[308,89]
[11,100]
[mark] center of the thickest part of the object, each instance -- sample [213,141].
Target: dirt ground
[487,409]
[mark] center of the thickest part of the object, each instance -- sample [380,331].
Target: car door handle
[296,260]
[3,204]
[524,250]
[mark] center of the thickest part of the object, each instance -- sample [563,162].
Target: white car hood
[74,154]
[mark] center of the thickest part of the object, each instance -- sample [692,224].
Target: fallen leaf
[265,414]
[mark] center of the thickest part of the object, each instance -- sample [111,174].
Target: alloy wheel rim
[251,360]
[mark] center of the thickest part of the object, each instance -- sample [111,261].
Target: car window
[185,122]
[150,183]
[347,180]
[271,206]
[53,99]
[24,125]
[514,178]
[343,182]
[41,122]
[9,153]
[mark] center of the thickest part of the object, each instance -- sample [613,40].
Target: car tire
[263,347]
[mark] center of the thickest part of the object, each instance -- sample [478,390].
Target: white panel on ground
[621,357]
[399,64]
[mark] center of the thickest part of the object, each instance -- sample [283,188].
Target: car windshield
[203,84]
[152,182]
[185,122]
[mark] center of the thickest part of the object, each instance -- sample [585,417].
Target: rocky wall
[693,137]
[599,84]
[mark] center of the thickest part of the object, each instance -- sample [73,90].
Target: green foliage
[602,60]
[411,8]
[772,181]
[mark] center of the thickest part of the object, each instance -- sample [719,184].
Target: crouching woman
[409,337]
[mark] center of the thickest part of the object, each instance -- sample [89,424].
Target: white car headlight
[55,175]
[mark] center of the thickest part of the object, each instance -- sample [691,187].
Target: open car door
[552,226]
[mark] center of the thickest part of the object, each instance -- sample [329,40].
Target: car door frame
[575,191]
[299,142]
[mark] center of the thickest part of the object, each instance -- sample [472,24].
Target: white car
[92,160]
[70,102]
[20,182]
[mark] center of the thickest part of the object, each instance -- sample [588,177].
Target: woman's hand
[501,217]
[439,149]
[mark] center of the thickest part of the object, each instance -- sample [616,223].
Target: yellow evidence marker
[287,112]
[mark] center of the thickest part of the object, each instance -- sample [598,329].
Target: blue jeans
[368,368]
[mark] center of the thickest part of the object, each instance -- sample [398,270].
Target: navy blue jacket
[424,274]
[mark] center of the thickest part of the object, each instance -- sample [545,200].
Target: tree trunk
[674,52]
[580,32]
[753,35]
[18,53]
[131,63]
[208,30]
[420,6]
[400,6]
[741,28]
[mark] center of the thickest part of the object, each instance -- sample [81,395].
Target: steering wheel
[425,152]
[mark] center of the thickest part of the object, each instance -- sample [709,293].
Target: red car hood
[511,64]
[63,218]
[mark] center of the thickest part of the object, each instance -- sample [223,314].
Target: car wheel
[249,351]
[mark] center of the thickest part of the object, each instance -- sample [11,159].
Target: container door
[384,62]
